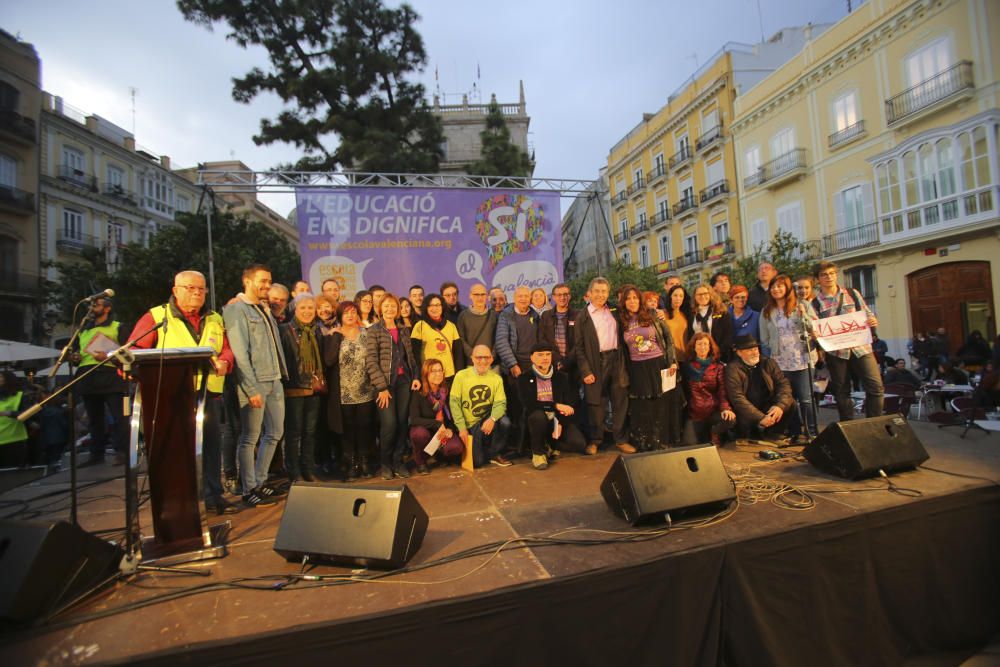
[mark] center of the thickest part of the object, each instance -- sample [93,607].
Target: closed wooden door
[957,296]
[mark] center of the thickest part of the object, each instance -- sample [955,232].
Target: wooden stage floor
[465,510]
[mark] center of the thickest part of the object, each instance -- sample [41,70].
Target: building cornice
[858,48]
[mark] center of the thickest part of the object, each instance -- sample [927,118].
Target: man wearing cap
[547,399]
[758,392]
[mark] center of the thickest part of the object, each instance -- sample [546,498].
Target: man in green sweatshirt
[478,406]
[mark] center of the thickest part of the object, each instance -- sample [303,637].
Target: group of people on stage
[390,385]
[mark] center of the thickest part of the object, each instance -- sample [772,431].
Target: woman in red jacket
[709,413]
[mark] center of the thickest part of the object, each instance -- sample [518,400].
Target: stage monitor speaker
[861,447]
[684,480]
[378,526]
[48,565]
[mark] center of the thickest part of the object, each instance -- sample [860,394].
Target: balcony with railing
[120,193]
[77,177]
[622,236]
[709,138]
[689,258]
[681,157]
[641,227]
[665,266]
[16,201]
[18,127]
[619,199]
[721,250]
[847,134]
[944,88]
[685,206]
[636,187]
[659,171]
[714,190]
[862,236]
[944,214]
[661,217]
[779,170]
[72,241]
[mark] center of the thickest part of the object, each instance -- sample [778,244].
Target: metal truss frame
[227,181]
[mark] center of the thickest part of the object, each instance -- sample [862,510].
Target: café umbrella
[13,351]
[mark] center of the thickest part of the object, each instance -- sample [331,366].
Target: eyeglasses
[559,295]
[193,288]
[481,358]
[367,299]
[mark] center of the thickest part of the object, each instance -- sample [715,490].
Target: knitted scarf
[309,362]
[695,371]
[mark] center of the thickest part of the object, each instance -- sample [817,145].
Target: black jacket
[527,390]
[738,381]
[588,355]
[547,334]
[290,333]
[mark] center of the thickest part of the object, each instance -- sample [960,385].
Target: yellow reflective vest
[110,330]
[213,332]
[11,430]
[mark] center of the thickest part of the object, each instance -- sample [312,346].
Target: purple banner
[397,237]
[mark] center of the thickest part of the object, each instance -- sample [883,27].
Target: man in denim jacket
[260,368]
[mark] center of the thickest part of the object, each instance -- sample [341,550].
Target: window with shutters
[759,233]
[790,221]
[665,251]
[643,255]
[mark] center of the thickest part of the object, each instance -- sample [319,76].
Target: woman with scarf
[708,409]
[301,340]
[712,317]
[654,414]
[326,315]
[539,301]
[746,320]
[781,331]
[350,408]
[678,312]
[392,371]
[547,399]
[430,418]
[435,337]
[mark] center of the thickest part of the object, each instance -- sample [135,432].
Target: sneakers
[221,506]
[591,449]
[500,460]
[386,473]
[422,469]
[539,461]
[270,491]
[255,499]
[401,471]
[625,448]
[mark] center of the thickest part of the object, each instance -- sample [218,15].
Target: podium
[170,410]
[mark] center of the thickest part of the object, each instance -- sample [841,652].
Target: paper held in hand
[842,332]
[101,343]
[668,380]
[433,445]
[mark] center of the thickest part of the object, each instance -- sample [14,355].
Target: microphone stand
[807,339]
[65,356]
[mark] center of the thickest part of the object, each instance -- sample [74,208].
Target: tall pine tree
[499,156]
[341,67]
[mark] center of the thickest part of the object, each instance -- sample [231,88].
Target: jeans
[211,445]
[486,447]
[803,394]
[230,428]
[95,405]
[301,417]
[392,421]
[866,370]
[272,418]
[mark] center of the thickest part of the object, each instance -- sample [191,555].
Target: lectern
[170,409]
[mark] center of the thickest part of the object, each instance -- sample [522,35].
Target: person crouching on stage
[708,409]
[758,392]
[547,400]
[430,416]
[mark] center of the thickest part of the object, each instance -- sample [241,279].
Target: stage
[853,574]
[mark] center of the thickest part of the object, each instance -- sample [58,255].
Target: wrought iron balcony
[848,134]
[120,193]
[18,126]
[685,205]
[665,266]
[661,217]
[641,227]
[780,169]
[77,177]
[71,241]
[619,199]
[636,187]
[622,236]
[714,190]
[680,157]
[658,172]
[719,250]
[16,200]
[688,259]
[862,236]
[951,84]
[709,137]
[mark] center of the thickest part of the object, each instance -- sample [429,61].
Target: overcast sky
[590,69]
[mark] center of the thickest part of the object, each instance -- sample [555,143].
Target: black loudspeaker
[683,480]
[380,526]
[861,447]
[48,565]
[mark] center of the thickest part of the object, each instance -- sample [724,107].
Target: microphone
[104,293]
